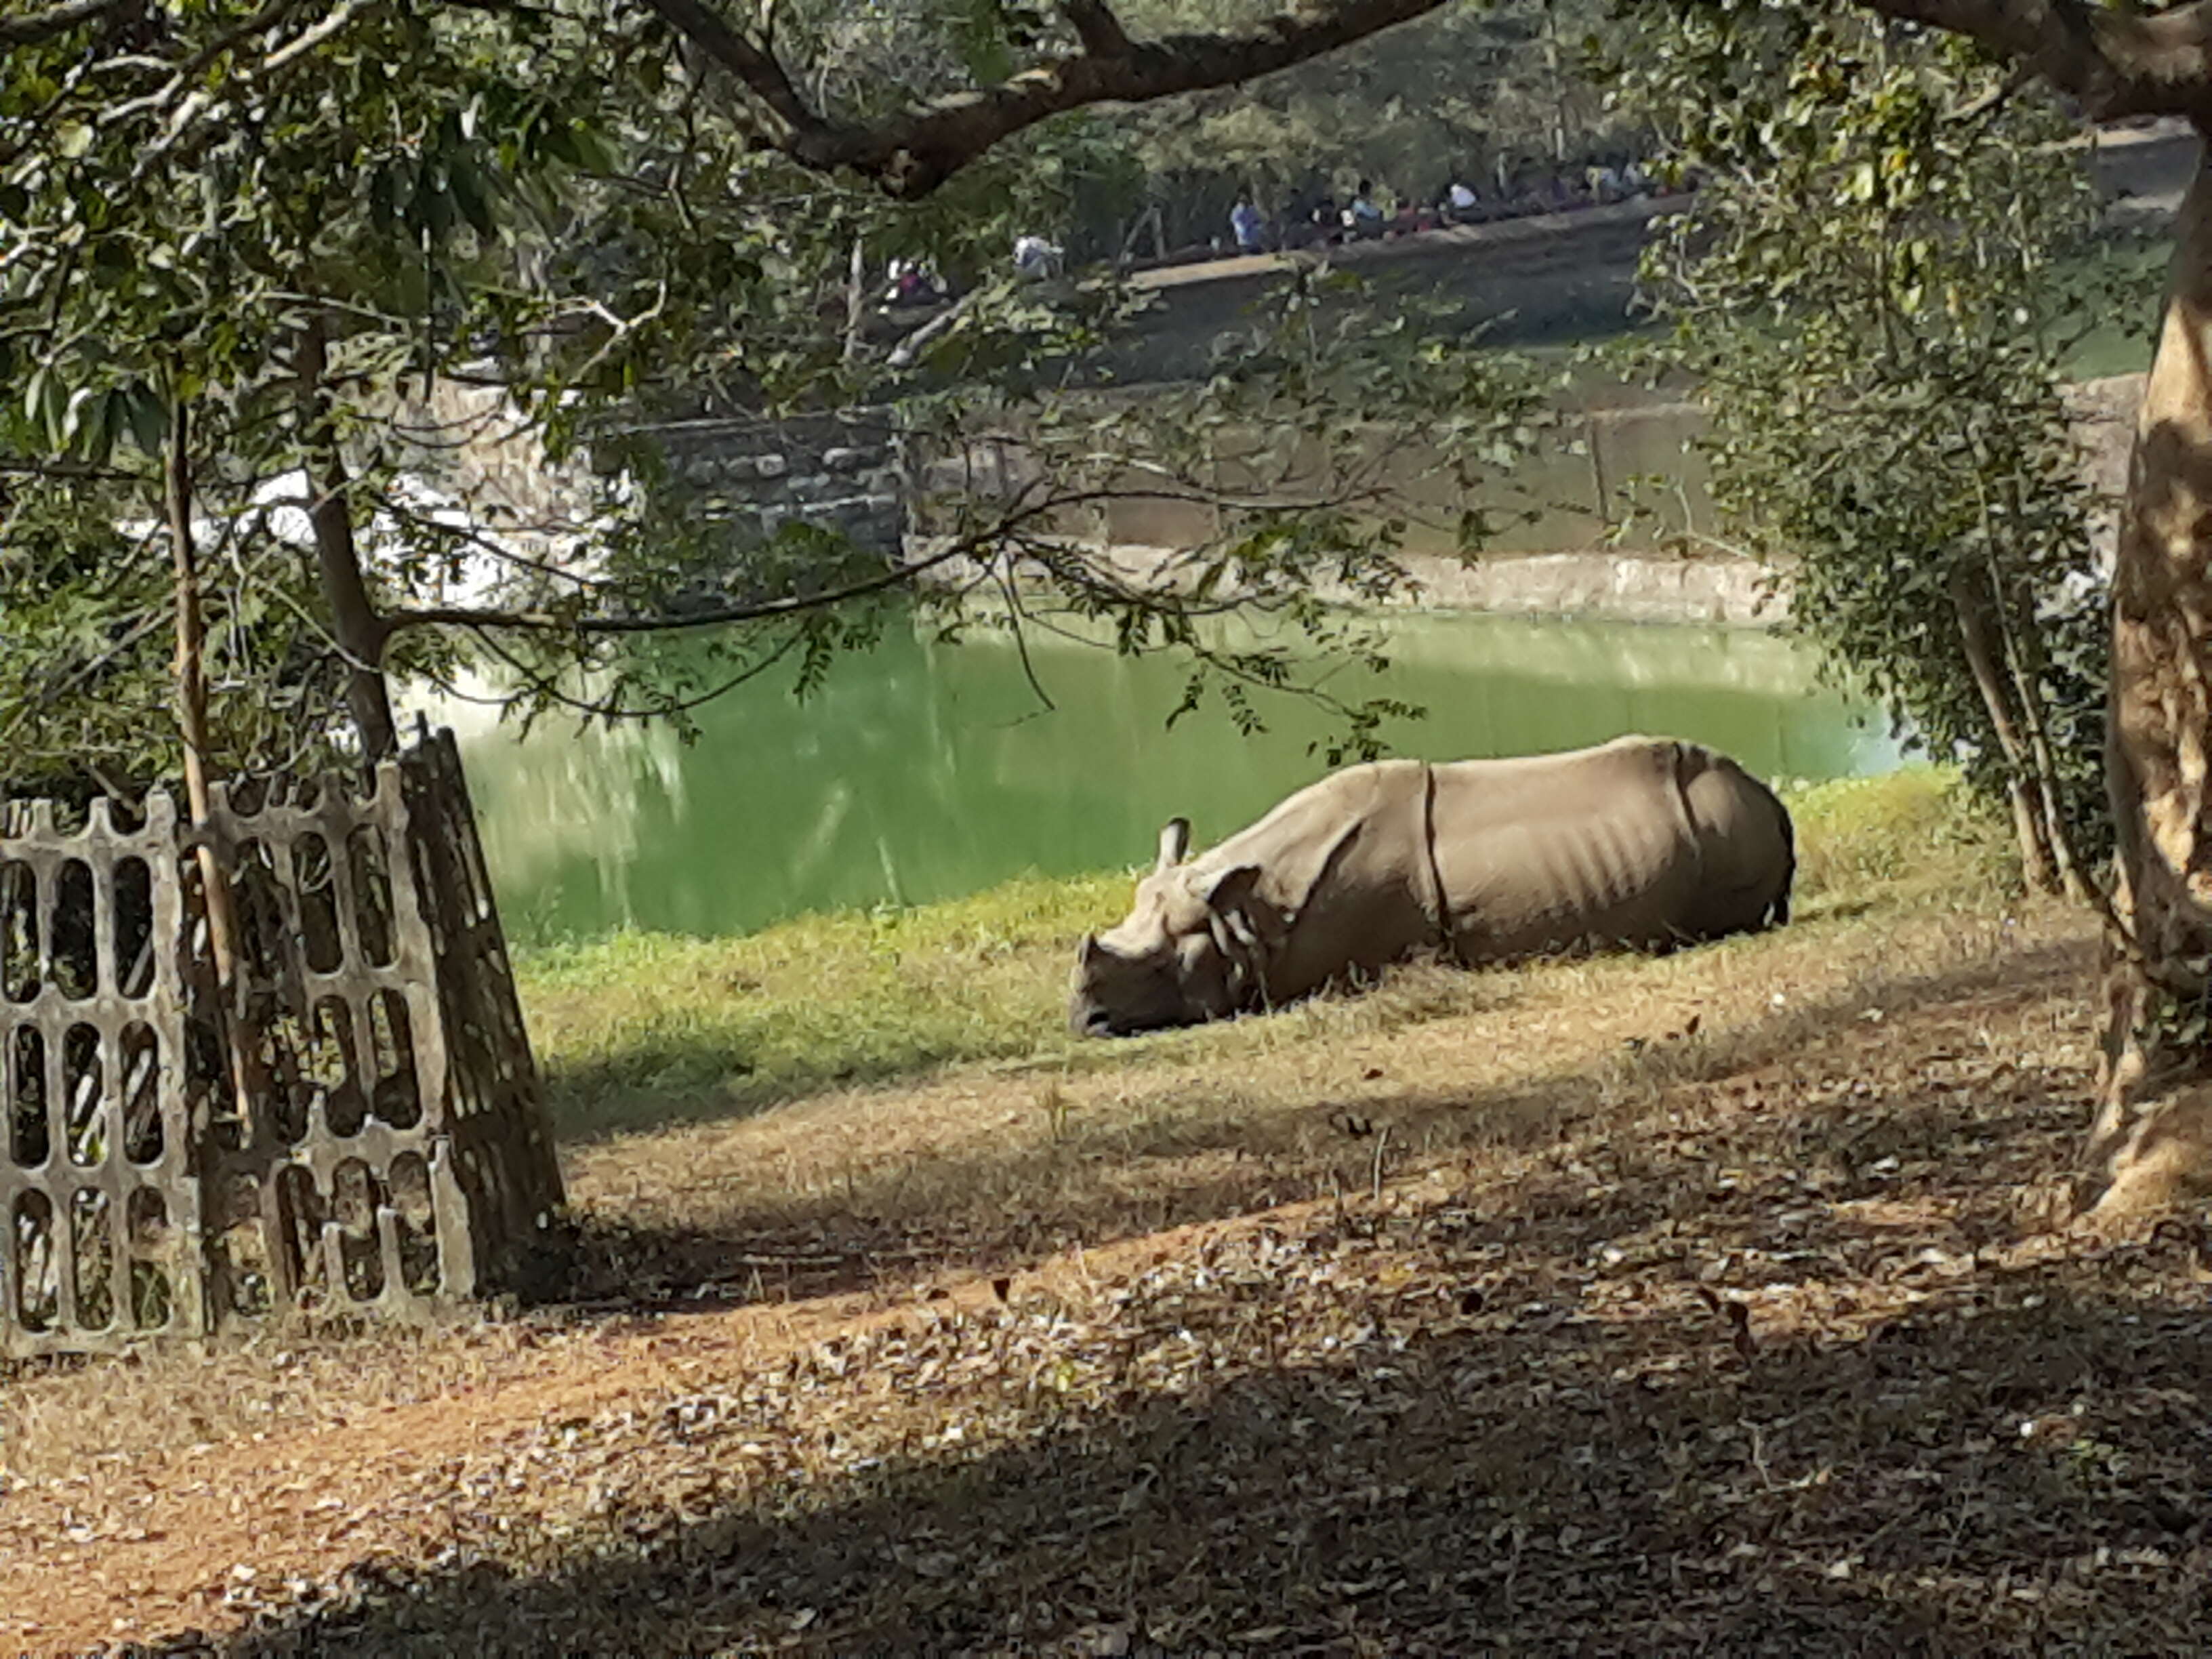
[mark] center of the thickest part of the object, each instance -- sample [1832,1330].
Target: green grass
[1905,838]
[642,1028]
[650,1027]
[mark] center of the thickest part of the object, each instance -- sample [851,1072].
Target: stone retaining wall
[1583,528]
[839,471]
[1571,537]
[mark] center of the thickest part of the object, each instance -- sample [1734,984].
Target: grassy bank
[643,1029]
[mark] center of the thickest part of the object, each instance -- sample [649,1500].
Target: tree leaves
[1883,372]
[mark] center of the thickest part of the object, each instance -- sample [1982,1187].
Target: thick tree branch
[753,65]
[1096,26]
[911,154]
[2113,63]
[32,27]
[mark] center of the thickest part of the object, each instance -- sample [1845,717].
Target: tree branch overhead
[911,155]
[30,28]
[1096,26]
[2113,63]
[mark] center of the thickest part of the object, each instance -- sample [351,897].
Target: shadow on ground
[1781,1378]
[2017,1460]
[1195,1161]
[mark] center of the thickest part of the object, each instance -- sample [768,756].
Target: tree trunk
[192,686]
[360,630]
[2152,1141]
[2015,611]
[2038,863]
[856,299]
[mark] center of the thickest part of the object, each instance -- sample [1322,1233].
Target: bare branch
[1990,102]
[903,354]
[551,622]
[16,466]
[547,687]
[756,66]
[2113,62]
[28,30]
[911,154]
[1096,26]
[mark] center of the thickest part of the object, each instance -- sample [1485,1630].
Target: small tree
[1882,374]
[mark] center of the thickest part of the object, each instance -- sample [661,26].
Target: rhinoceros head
[1184,956]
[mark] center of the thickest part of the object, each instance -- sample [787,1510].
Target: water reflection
[922,771]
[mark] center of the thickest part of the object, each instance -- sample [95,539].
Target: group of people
[1362,218]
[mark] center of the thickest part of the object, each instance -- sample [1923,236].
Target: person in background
[1249,225]
[1362,218]
[1460,202]
[912,284]
[1034,256]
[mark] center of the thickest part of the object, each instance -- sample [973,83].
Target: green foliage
[1916,834]
[551,205]
[1873,290]
[85,653]
[182,214]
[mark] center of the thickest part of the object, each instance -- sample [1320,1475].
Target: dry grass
[841,1190]
[1626,1305]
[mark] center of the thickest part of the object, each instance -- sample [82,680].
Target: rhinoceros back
[1639,843]
[1747,854]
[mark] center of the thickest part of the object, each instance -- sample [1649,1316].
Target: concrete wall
[1568,537]
[1604,521]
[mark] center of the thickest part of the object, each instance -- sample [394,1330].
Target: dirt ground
[1737,1324]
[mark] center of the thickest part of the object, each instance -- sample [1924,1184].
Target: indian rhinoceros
[1642,843]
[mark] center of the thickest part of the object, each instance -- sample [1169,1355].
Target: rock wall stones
[839,471]
[1566,540]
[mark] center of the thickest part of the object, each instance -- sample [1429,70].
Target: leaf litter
[1785,1359]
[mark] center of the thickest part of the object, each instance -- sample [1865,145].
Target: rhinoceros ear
[1228,891]
[1175,841]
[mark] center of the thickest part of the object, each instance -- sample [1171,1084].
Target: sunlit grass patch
[1905,837]
[641,1027]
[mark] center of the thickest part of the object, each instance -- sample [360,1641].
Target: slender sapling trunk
[360,630]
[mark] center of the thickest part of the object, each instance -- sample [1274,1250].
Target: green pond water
[922,771]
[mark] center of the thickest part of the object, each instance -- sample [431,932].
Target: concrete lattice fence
[352,1128]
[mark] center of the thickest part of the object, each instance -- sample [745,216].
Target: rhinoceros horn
[1175,841]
